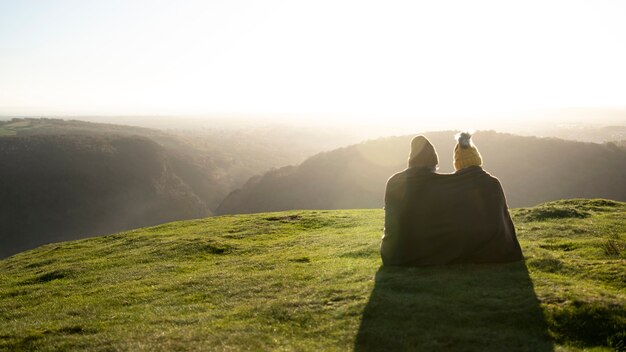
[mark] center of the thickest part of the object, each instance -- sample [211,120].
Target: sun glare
[395,59]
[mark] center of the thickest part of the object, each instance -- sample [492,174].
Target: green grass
[6,132]
[10,128]
[312,281]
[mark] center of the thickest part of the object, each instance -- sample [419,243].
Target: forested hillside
[63,180]
[532,170]
[228,157]
[59,188]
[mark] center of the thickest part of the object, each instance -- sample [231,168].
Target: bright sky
[394,58]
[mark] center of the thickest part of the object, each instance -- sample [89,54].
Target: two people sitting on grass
[434,219]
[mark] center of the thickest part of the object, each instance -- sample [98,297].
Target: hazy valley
[63,180]
[532,170]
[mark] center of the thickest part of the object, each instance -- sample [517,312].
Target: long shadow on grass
[453,308]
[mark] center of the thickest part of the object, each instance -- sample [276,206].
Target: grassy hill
[312,280]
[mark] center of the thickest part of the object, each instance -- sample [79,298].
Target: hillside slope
[56,188]
[62,180]
[532,170]
[311,281]
[226,157]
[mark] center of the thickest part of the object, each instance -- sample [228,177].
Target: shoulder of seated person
[468,170]
[398,174]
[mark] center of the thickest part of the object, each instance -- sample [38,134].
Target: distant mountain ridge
[532,170]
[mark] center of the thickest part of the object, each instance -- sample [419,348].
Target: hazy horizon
[575,123]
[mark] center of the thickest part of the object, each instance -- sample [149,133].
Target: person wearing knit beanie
[423,153]
[465,152]
[435,219]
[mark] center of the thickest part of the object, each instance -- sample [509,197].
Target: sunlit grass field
[313,281]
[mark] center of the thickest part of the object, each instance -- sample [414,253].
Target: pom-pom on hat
[465,152]
[423,153]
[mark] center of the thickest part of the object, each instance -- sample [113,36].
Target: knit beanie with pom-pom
[465,152]
[423,153]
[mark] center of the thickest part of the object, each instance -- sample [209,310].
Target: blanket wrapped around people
[433,219]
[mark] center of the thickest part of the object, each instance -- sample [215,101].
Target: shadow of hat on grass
[453,308]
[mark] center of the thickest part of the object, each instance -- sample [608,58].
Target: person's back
[398,245]
[489,212]
[443,219]
[408,216]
